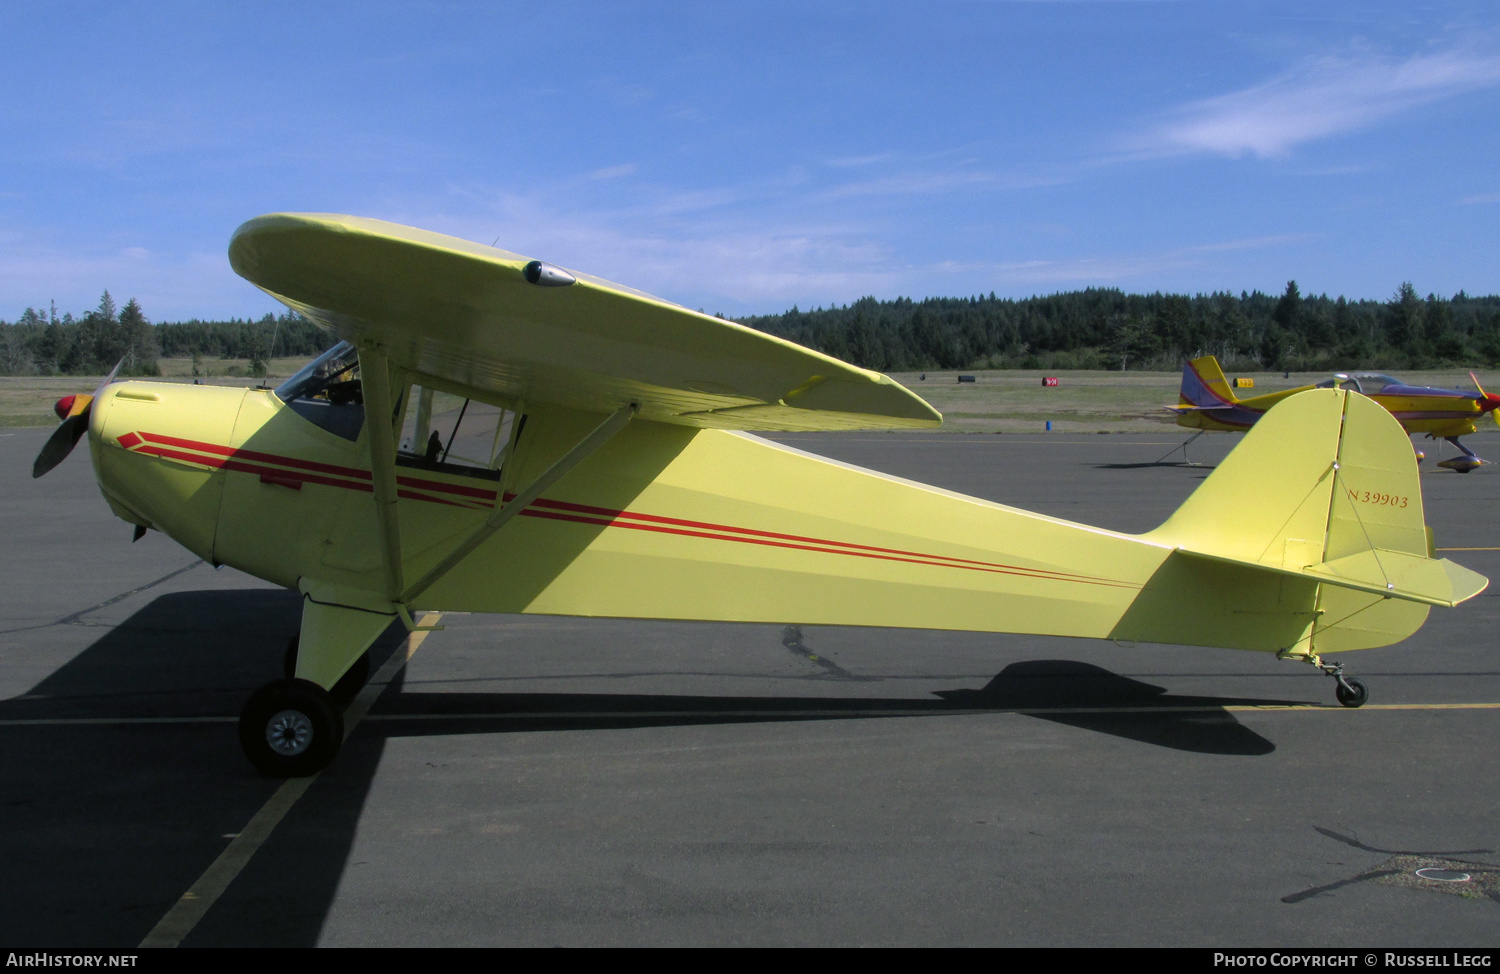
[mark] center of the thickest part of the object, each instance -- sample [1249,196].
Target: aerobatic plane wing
[493,325]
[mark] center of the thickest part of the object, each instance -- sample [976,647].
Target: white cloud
[613,172]
[1111,269]
[736,266]
[1322,97]
[169,288]
[718,264]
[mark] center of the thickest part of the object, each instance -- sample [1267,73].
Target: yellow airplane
[1208,402]
[606,470]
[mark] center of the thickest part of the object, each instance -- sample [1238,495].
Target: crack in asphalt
[75,618]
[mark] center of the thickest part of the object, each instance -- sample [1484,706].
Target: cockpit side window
[444,432]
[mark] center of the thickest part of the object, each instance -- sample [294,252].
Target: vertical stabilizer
[1267,502]
[1324,491]
[1204,384]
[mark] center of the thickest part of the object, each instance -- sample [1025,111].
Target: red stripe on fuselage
[308,471]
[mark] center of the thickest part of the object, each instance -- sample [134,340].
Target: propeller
[74,412]
[1488,403]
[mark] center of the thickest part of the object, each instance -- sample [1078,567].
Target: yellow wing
[493,325]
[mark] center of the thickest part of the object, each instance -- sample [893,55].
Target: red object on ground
[1049,380]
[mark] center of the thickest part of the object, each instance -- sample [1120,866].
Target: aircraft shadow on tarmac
[103,826]
[1151,464]
[1077,694]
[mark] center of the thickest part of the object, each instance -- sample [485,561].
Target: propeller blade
[1488,403]
[61,442]
[116,371]
[74,412]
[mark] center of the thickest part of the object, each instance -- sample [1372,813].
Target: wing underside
[467,317]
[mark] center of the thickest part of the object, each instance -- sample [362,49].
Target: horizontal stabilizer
[1393,574]
[1403,575]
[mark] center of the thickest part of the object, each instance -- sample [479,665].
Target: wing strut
[601,435]
[375,380]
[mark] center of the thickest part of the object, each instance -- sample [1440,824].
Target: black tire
[291,729]
[1352,692]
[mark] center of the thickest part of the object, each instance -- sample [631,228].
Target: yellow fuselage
[674,522]
[1439,416]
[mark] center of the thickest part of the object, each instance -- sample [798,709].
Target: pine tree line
[1109,329]
[1091,329]
[44,343]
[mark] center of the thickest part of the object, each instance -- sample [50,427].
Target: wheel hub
[289,733]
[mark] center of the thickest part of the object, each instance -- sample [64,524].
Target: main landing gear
[292,728]
[1350,691]
[1466,461]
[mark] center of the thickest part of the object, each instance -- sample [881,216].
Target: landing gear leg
[349,684]
[1350,691]
[1466,460]
[294,726]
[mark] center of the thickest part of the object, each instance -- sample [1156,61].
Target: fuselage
[674,522]
[1207,403]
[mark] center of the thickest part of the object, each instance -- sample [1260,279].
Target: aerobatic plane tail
[1207,401]
[1324,494]
[1204,385]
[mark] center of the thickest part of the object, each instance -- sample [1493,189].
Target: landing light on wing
[545,275]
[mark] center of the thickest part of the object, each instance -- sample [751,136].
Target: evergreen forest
[45,343]
[1103,328]
[1097,328]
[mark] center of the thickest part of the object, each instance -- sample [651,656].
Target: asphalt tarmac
[541,781]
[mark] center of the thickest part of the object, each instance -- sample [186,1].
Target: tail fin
[1325,490]
[1204,384]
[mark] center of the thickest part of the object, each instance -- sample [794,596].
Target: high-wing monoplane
[1208,402]
[609,468]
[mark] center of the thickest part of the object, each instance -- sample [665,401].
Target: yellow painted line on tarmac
[1369,706]
[193,905]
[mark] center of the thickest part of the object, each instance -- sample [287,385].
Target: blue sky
[747,157]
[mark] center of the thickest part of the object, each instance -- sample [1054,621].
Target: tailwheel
[291,729]
[1351,691]
[344,691]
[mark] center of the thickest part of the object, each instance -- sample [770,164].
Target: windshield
[1368,383]
[336,367]
[1372,382]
